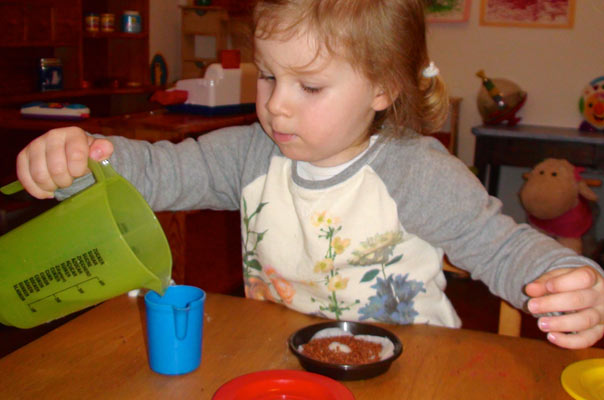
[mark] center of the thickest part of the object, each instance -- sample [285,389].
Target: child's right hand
[54,159]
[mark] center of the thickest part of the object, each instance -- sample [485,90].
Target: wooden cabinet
[206,249]
[93,63]
[31,30]
[204,35]
[206,30]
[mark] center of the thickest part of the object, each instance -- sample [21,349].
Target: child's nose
[277,102]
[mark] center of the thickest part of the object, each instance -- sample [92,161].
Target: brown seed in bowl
[330,350]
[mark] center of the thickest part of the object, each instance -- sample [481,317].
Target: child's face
[316,109]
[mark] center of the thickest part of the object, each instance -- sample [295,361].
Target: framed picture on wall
[447,10]
[528,13]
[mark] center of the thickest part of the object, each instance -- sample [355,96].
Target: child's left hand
[579,293]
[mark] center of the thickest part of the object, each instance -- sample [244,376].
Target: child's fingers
[564,302]
[53,160]
[579,340]
[538,287]
[571,322]
[560,280]
[75,152]
[24,175]
[80,147]
[576,279]
[100,149]
[58,143]
[36,168]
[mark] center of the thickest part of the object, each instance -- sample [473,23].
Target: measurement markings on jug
[60,273]
[56,295]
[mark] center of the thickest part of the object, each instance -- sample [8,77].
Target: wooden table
[527,145]
[101,355]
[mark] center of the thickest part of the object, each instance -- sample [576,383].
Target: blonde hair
[383,39]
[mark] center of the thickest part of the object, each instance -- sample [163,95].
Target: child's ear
[382,100]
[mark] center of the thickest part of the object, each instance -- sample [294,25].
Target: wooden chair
[510,318]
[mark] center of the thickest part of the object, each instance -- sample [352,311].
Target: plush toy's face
[592,104]
[550,190]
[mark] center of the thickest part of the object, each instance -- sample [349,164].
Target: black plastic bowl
[344,372]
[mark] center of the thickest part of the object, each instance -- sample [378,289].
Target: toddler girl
[346,208]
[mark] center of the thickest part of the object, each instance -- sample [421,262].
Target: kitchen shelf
[35,29]
[116,35]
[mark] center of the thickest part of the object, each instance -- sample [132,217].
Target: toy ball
[499,100]
[591,106]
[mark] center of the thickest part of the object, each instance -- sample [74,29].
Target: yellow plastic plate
[584,380]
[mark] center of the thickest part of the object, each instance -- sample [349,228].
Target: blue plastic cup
[174,329]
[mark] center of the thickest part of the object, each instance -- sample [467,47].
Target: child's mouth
[282,137]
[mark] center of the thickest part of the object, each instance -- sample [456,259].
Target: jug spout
[158,285]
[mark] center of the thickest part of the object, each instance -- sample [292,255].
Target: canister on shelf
[131,22]
[107,22]
[91,22]
[50,74]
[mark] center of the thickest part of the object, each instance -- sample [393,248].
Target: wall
[552,65]
[164,36]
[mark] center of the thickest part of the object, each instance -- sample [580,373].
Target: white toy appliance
[226,88]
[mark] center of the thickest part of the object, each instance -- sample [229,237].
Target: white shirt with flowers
[339,252]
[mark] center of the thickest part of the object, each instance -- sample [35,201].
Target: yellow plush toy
[556,200]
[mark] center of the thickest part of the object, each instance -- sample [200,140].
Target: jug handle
[11,188]
[101,171]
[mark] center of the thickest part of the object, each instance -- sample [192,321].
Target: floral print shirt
[339,252]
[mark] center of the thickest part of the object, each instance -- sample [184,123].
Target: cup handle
[181,321]
[101,171]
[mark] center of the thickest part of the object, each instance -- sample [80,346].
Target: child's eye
[265,76]
[311,90]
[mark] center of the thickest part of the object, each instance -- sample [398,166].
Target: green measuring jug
[95,245]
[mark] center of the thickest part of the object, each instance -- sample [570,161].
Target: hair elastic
[431,70]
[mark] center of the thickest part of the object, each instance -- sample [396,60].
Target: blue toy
[39,109]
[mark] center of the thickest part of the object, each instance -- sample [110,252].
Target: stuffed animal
[556,200]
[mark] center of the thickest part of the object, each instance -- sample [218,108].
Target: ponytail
[434,106]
